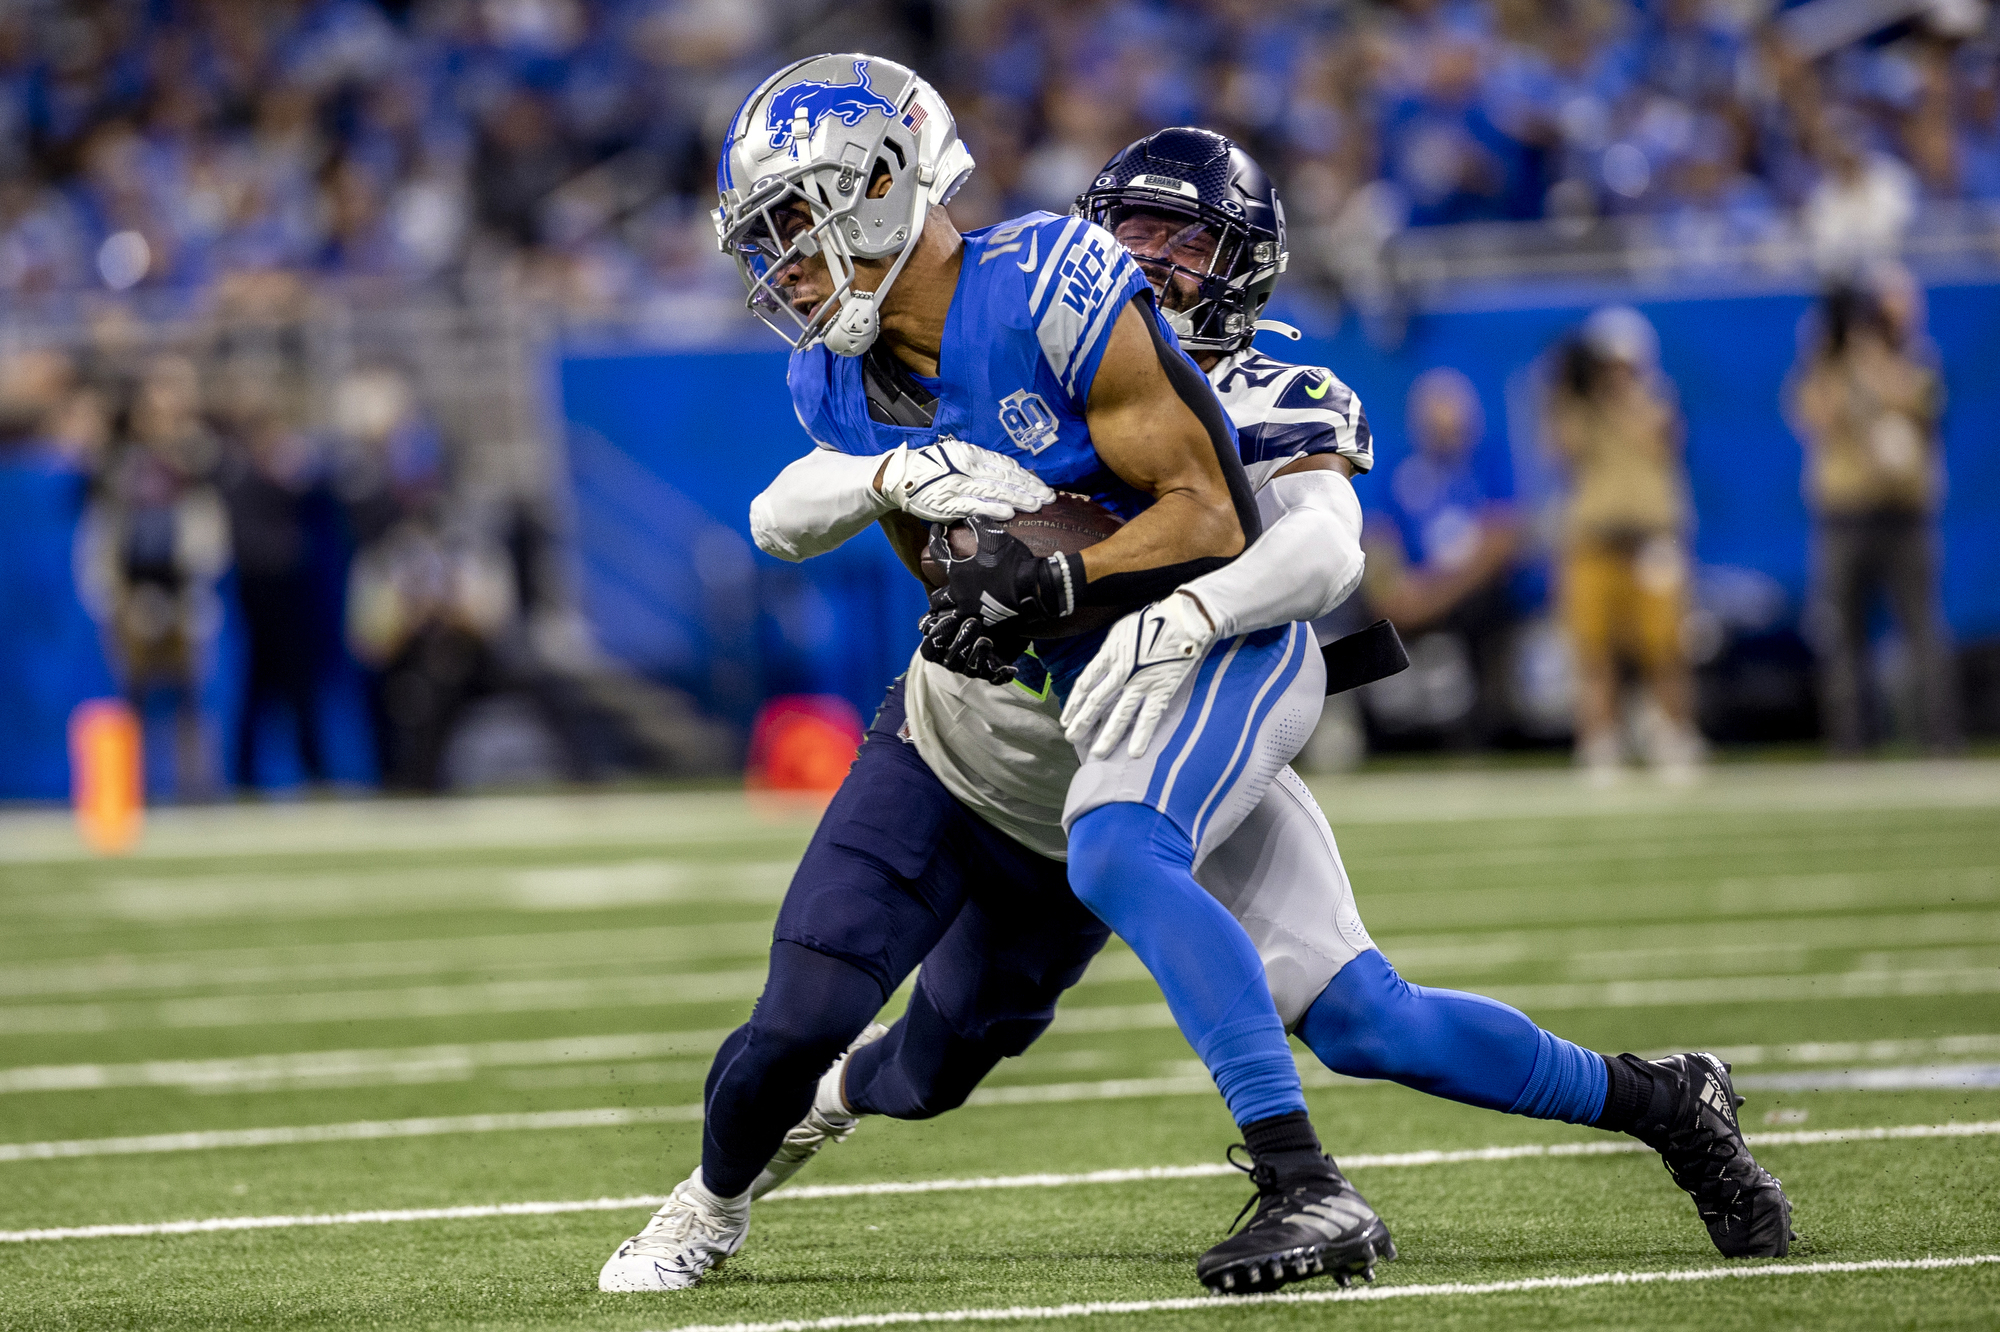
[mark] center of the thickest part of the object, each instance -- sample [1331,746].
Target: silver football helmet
[818,132]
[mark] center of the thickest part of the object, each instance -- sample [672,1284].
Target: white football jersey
[1001,749]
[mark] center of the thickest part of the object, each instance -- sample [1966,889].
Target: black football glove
[966,644]
[1004,582]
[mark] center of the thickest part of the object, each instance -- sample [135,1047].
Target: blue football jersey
[1027,328]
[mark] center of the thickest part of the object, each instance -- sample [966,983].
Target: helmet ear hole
[897,149]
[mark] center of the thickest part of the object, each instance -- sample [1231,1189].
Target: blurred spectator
[1441,145]
[1977,98]
[425,606]
[1624,563]
[272,483]
[1441,564]
[35,385]
[1718,206]
[428,594]
[1856,215]
[1866,409]
[157,544]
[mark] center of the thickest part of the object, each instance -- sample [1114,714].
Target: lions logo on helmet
[815,150]
[813,101]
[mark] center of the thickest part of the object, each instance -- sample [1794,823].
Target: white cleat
[694,1232]
[829,1120]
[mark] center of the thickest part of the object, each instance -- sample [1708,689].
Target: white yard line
[651,989]
[810,1192]
[1751,989]
[354,1131]
[648,820]
[311,1007]
[1365,1294]
[290,967]
[1946,1077]
[1113,1089]
[656,990]
[356,1068]
[400,1065]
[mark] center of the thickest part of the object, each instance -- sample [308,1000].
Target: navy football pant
[898,873]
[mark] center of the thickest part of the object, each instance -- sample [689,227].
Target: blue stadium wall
[668,449]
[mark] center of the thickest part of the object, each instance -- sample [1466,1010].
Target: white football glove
[951,479]
[1136,673]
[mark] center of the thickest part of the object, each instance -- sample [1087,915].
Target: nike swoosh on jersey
[1034,258]
[1319,392]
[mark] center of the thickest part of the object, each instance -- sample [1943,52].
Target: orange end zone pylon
[106,781]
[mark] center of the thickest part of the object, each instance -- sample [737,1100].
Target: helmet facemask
[1192,264]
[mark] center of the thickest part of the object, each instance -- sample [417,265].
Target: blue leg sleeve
[1130,865]
[1371,1023]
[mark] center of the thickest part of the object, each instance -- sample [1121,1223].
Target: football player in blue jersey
[1037,340]
[986,914]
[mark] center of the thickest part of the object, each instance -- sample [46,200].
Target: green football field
[422,1065]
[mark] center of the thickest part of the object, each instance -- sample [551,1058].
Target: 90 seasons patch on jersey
[1027,421]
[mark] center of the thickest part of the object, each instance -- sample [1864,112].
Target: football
[1064,525]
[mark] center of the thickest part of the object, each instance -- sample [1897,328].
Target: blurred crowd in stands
[202,499]
[230,146]
[1449,537]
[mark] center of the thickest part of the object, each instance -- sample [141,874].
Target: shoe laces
[1261,1175]
[675,1224]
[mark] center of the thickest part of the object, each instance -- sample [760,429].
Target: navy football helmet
[1216,269]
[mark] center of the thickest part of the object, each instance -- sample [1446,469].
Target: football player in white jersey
[1206,226]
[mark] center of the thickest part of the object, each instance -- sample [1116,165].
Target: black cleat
[1316,1225]
[1695,1132]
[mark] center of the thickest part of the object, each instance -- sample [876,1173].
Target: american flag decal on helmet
[915,117]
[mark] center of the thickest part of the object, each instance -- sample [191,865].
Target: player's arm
[826,497]
[1157,425]
[906,537]
[1307,562]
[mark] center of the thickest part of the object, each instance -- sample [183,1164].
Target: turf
[329,963]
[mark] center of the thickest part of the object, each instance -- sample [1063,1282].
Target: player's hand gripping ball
[951,480]
[967,644]
[999,579]
[976,551]
[1136,674]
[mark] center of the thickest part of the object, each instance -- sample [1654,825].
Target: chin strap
[1278,327]
[854,329]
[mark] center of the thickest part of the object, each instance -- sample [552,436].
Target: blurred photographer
[1624,563]
[1866,410]
[1442,565]
[156,544]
